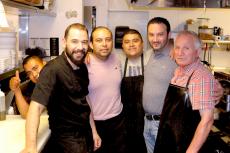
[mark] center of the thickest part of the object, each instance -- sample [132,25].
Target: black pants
[71,142]
[113,135]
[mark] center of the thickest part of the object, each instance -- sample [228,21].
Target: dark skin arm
[21,102]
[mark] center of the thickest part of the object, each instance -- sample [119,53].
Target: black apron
[178,122]
[131,97]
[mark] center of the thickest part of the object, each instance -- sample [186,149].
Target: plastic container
[46,4]
[203,22]
[2,106]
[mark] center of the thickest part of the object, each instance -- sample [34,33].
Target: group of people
[159,100]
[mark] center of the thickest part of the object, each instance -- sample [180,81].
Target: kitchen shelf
[10,73]
[23,9]
[209,44]
[212,43]
[6,76]
[216,41]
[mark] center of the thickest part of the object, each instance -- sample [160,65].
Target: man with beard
[62,88]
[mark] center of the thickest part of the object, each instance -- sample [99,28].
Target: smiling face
[132,45]
[158,36]
[33,67]
[102,43]
[76,45]
[185,50]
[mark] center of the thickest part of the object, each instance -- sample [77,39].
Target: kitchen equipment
[224,3]
[2,106]
[119,32]
[224,79]
[205,33]
[217,31]
[8,99]
[12,134]
[228,103]
[192,25]
[217,38]
[54,46]
[8,40]
[7,51]
[203,22]
[46,4]
[31,2]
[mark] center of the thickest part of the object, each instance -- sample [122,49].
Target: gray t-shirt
[134,67]
[157,75]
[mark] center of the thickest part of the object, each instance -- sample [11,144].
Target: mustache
[80,50]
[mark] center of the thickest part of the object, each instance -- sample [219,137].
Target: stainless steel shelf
[10,73]
[216,41]
[23,9]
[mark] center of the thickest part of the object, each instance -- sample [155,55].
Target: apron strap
[189,80]
[142,65]
[126,62]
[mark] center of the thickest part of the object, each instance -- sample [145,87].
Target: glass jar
[205,33]
[203,22]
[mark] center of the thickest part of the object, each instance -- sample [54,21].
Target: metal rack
[208,45]
[5,77]
[10,73]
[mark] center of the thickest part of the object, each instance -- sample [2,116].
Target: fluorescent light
[3,20]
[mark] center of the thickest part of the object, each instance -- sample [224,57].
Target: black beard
[76,62]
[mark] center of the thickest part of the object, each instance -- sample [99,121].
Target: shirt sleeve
[45,85]
[201,91]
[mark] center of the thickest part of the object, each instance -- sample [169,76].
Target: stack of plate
[7,50]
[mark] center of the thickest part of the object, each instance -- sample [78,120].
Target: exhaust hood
[13,7]
[151,3]
[180,3]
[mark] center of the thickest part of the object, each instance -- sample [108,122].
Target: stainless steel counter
[12,133]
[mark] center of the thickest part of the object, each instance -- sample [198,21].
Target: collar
[189,69]
[134,60]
